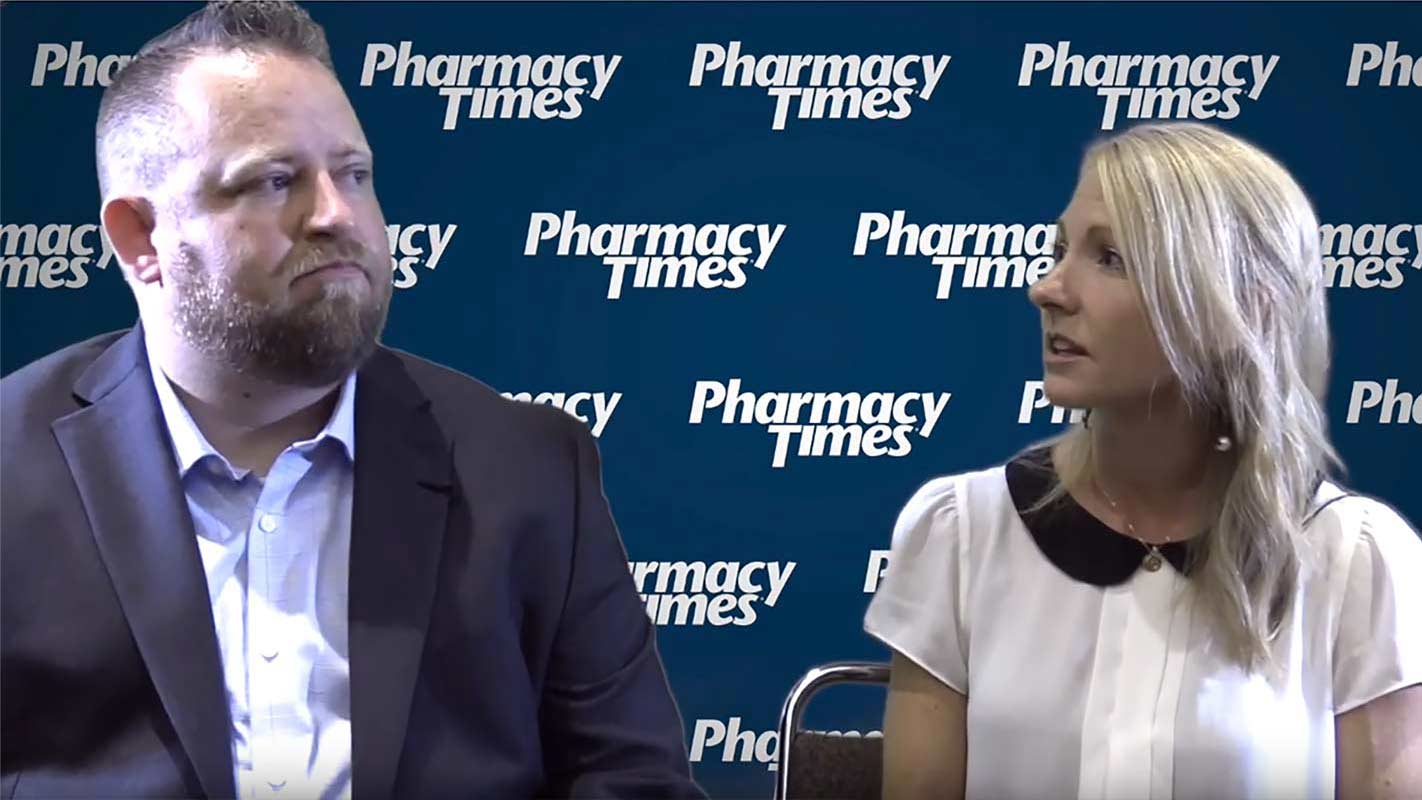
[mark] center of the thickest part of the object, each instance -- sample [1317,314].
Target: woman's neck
[1158,467]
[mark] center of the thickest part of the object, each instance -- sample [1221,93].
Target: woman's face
[1098,349]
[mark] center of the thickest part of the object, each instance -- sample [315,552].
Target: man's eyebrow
[236,167]
[351,151]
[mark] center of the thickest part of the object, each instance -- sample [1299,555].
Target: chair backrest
[816,765]
[830,766]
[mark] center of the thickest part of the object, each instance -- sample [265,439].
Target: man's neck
[248,420]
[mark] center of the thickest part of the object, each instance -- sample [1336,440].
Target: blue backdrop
[643,130]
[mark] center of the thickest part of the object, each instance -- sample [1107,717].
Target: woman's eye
[1112,259]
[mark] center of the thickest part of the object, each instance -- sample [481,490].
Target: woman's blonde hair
[1223,249]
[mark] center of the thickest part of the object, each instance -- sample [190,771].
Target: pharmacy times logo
[1147,86]
[806,87]
[51,256]
[489,86]
[415,248]
[1370,256]
[1383,63]
[74,66]
[1385,399]
[709,593]
[658,256]
[824,424]
[726,741]
[968,256]
[593,408]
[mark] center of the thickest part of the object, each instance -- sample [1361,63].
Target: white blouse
[1089,676]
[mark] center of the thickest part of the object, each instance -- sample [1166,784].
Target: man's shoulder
[44,388]
[467,407]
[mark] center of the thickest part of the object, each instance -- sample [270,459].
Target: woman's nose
[1051,290]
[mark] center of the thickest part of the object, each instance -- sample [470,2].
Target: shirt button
[267,523]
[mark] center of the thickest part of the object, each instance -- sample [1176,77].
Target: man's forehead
[216,89]
[206,80]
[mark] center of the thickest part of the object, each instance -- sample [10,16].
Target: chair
[815,765]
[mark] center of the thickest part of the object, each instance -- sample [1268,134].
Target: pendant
[1152,561]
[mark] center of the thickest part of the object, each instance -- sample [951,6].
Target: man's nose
[331,213]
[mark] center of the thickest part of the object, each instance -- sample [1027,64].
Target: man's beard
[315,343]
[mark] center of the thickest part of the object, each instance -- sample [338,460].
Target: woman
[1168,600]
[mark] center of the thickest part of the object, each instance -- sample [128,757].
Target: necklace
[1153,558]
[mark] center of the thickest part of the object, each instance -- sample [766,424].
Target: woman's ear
[128,223]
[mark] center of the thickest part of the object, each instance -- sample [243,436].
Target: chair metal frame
[817,678]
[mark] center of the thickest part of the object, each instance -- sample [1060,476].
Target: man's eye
[272,183]
[1058,251]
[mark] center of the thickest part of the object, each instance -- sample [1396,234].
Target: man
[248,551]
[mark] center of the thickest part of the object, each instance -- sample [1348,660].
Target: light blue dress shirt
[276,552]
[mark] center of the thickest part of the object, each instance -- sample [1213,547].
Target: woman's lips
[1058,348]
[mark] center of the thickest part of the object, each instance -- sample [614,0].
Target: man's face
[268,232]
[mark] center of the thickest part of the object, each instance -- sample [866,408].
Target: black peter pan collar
[1077,543]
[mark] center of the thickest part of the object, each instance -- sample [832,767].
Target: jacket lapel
[403,487]
[118,451]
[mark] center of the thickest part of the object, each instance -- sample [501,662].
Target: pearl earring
[1223,443]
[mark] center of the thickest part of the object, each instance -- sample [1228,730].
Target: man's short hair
[134,138]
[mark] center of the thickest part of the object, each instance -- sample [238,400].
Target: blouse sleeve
[1378,647]
[919,609]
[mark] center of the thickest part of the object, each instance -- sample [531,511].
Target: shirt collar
[1084,547]
[1077,543]
[190,445]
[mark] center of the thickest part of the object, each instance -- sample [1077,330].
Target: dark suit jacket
[498,647]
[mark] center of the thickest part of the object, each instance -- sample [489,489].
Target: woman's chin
[1066,393]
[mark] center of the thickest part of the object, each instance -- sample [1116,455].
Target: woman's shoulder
[940,502]
[1373,595]
[1345,522]
[947,491]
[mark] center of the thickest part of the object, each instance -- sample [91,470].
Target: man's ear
[128,222]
